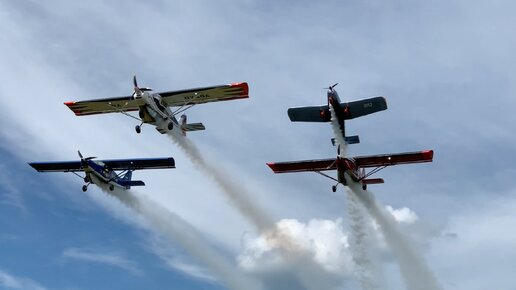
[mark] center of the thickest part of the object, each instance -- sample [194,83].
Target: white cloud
[107,258]
[402,215]
[14,282]
[324,240]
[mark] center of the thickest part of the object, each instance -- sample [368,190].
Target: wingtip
[429,154]
[244,86]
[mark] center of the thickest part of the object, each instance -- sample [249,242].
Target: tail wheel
[364,186]
[138,129]
[170,126]
[334,188]
[111,187]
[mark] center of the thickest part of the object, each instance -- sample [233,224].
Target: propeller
[137,90]
[331,87]
[84,160]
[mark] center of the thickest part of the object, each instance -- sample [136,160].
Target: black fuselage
[334,100]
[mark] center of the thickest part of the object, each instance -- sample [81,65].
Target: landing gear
[170,126]
[84,188]
[111,187]
[364,186]
[138,129]
[87,179]
[334,188]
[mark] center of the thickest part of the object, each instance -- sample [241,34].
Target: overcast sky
[446,69]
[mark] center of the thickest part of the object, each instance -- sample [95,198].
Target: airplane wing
[394,159]
[60,166]
[205,95]
[364,107]
[304,165]
[310,114]
[101,106]
[141,163]
[352,110]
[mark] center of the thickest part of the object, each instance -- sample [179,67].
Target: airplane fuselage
[334,101]
[98,171]
[156,113]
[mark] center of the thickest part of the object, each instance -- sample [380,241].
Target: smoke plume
[174,228]
[360,244]
[310,274]
[414,271]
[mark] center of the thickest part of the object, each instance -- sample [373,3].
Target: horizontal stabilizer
[304,165]
[129,183]
[372,181]
[349,140]
[352,139]
[193,127]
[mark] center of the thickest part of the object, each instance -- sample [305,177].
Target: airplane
[343,111]
[154,108]
[105,171]
[354,167]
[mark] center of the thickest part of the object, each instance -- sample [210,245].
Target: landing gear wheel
[364,186]
[334,188]
[111,187]
[170,126]
[138,129]
[84,188]
[87,179]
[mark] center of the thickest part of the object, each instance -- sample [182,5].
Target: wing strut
[376,170]
[118,110]
[326,175]
[182,109]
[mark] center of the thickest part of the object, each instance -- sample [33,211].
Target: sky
[444,67]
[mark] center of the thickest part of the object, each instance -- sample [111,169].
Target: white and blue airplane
[116,173]
[155,108]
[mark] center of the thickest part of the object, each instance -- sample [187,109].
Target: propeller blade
[134,81]
[331,87]
[80,155]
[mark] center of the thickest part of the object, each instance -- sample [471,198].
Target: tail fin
[190,127]
[128,176]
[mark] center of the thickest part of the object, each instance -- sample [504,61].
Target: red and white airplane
[353,167]
[154,108]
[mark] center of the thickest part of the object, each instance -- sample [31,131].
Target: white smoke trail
[339,138]
[414,271]
[174,228]
[310,274]
[235,192]
[359,243]
[361,257]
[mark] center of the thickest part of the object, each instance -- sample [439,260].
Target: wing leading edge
[59,166]
[304,165]
[206,94]
[141,163]
[115,164]
[394,159]
[102,106]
